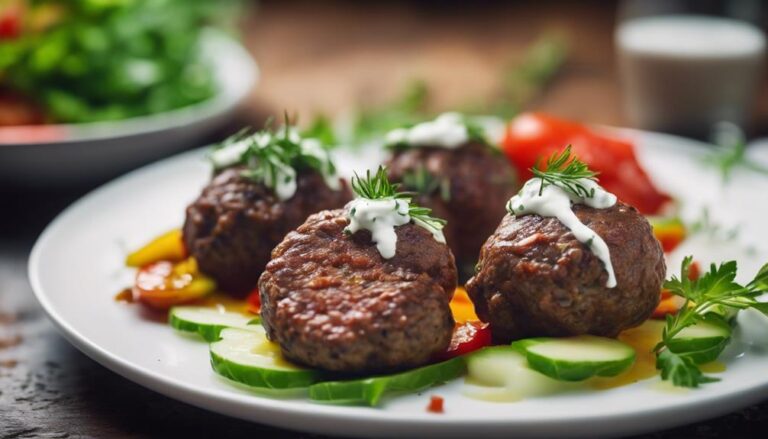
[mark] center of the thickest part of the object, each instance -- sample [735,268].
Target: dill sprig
[424,183]
[271,156]
[378,187]
[566,171]
[708,299]
[730,152]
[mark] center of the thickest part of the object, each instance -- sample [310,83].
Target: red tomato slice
[531,137]
[467,337]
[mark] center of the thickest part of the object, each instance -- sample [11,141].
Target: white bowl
[69,153]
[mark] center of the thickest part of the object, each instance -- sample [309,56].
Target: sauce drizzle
[553,201]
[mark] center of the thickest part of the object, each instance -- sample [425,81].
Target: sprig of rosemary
[706,299]
[567,172]
[378,187]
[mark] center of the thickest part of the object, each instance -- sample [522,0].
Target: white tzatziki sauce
[447,131]
[554,201]
[381,217]
[284,178]
[232,154]
[284,175]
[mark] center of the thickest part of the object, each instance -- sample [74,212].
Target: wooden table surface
[313,58]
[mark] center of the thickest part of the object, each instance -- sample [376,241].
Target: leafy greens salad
[95,60]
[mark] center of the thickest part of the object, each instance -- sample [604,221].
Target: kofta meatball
[332,302]
[535,279]
[471,185]
[235,223]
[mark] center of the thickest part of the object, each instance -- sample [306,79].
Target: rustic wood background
[314,57]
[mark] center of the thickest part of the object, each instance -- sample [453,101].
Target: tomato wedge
[467,337]
[164,284]
[532,136]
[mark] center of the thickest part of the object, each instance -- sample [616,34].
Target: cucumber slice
[491,366]
[501,373]
[207,322]
[703,341]
[369,391]
[576,358]
[248,357]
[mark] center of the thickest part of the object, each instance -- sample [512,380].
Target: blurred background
[90,89]
[149,77]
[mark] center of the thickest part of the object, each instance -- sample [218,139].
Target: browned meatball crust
[479,183]
[332,302]
[235,223]
[535,279]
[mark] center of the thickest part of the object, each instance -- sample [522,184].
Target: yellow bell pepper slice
[166,247]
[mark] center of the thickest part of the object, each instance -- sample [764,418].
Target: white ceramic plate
[74,152]
[76,268]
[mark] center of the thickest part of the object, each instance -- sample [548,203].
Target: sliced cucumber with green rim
[501,373]
[492,366]
[576,358]
[207,322]
[248,357]
[369,391]
[704,341]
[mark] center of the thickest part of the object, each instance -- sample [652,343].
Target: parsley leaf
[681,370]
[706,299]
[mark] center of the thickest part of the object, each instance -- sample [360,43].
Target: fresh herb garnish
[408,109]
[321,129]
[272,156]
[731,152]
[706,225]
[566,172]
[422,182]
[378,187]
[706,299]
[476,133]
